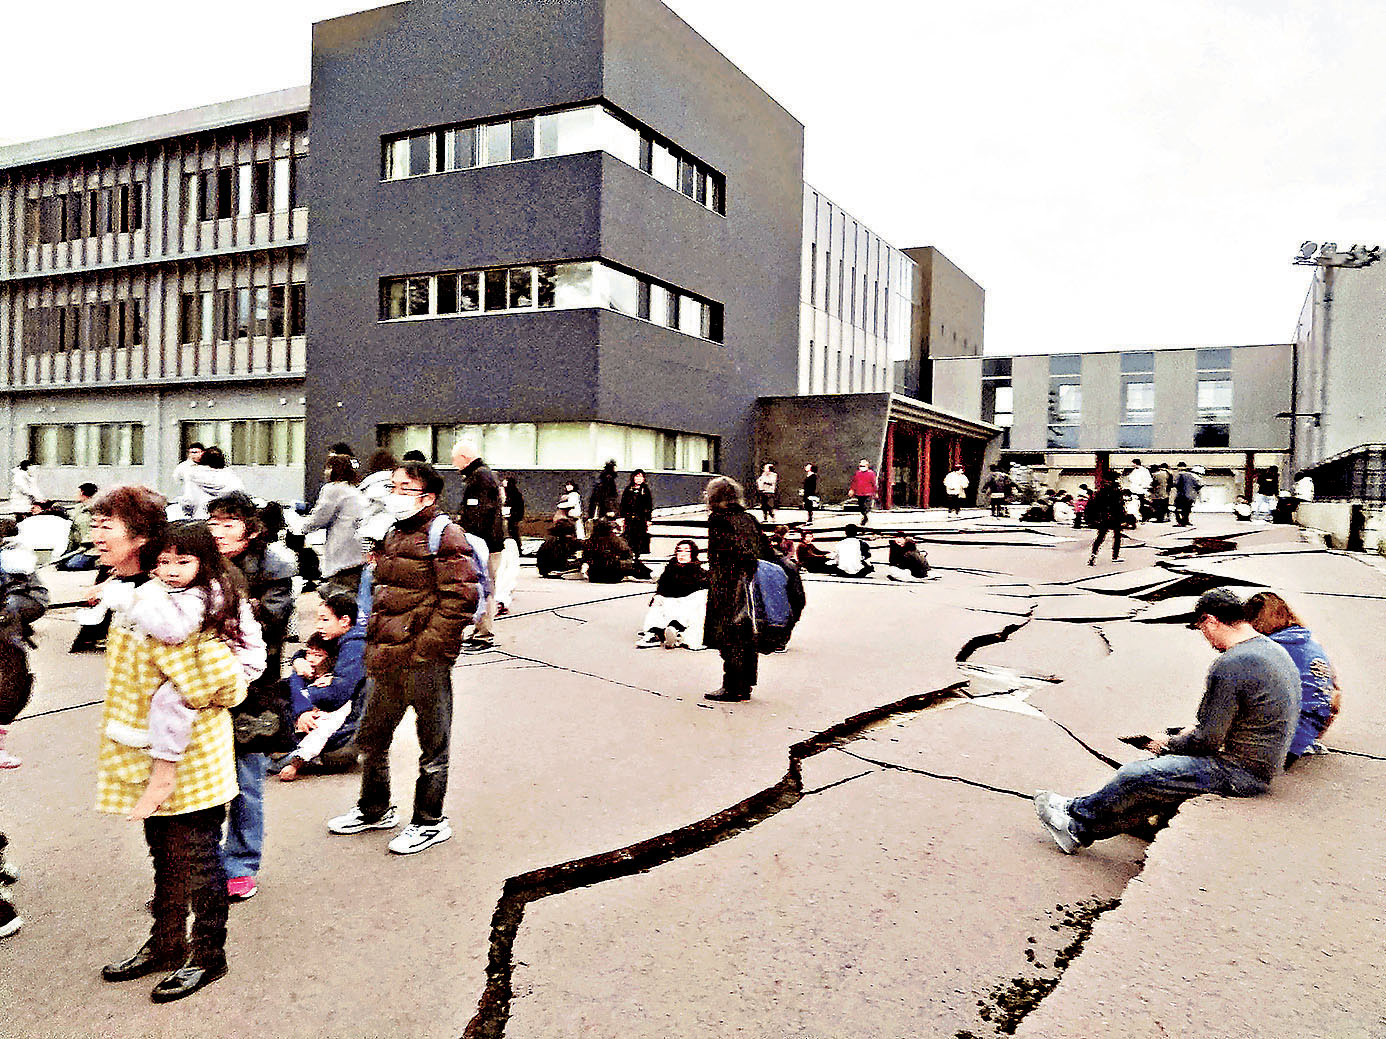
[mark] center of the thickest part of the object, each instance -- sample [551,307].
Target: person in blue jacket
[326,715]
[1272,616]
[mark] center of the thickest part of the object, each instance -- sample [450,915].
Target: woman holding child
[184,830]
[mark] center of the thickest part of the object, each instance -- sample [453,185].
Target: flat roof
[275,104]
[1117,350]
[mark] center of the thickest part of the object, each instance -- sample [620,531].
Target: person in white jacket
[207,481]
[24,491]
[955,484]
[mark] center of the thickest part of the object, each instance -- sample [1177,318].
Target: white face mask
[402,506]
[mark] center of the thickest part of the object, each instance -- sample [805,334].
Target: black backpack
[16,680]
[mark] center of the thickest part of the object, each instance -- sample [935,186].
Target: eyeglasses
[413,492]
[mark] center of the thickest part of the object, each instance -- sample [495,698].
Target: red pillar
[1251,475]
[888,495]
[926,455]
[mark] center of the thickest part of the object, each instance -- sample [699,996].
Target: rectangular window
[522,139]
[1140,402]
[278,310]
[521,288]
[298,182]
[396,159]
[262,307]
[469,292]
[1214,400]
[494,285]
[282,181]
[420,154]
[621,292]
[690,316]
[463,148]
[190,318]
[688,177]
[243,315]
[135,206]
[260,187]
[226,316]
[244,188]
[447,294]
[206,194]
[1070,402]
[813,274]
[665,167]
[662,307]
[136,312]
[298,308]
[223,194]
[495,144]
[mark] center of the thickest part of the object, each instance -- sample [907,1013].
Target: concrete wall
[957,386]
[1030,381]
[1334,518]
[833,432]
[1356,377]
[954,306]
[1260,391]
[1176,401]
[1103,403]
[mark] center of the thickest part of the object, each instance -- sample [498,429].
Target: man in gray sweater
[1235,747]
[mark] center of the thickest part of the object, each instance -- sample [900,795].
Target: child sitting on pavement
[312,668]
[192,592]
[326,687]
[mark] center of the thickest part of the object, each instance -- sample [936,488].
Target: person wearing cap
[1235,747]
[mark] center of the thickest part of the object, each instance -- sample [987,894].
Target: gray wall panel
[1030,379]
[1103,403]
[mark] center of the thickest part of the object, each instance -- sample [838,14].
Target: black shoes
[722,696]
[148,960]
[187,979]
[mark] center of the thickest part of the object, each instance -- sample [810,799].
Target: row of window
[567,132]
[559,445]
[85,214]
[555,286]
[847,307]
[77,326]
[221,315]
[248,441]
[245,189]
[87,444]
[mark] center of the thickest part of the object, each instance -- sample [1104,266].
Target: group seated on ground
[607,558]
[326,688]
[906,561]
[679,605]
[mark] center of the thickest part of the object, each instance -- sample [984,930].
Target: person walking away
[605,498]
[955,485]
[1186,488]
[863,488]
[207,481]
[184,833]
[423,599]
[481,515]
[1319,699]
[1159,493]
[997,487]
[766,484]
[1235,747]
[810,491]
[24,490]
[735,545]
[260,722]
[1106,511]
[339,510]
[637,510]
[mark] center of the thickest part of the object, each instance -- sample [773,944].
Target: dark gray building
[552,222]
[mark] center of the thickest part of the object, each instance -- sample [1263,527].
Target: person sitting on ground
[852,555]
[1062,508]
[679,604]
[1319,698]
[326,713]
[1241,508]
[1041,510]
[570,507]
[558,555]
[906,561]
[809,557]
[1235,748]
[607,558]
[79,554]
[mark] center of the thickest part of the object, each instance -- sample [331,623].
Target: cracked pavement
[850,853]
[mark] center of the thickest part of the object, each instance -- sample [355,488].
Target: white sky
[1112,172]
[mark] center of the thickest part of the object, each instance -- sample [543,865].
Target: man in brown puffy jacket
[423,598]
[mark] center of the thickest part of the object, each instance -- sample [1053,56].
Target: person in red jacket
[863,488]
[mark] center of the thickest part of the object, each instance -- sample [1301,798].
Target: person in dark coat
[810,491]
[809,557]
[607,556]
[480,515]
[558,555]
[1106,511]
[735,543]
[605,498]
[637,509]
[512,507]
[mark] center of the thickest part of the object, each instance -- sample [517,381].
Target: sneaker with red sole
[239,889]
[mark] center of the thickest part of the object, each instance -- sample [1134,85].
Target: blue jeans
[1143,788]
[245,819]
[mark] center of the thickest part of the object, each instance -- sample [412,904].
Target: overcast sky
[1113,173]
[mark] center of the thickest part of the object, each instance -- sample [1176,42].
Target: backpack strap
[435,532]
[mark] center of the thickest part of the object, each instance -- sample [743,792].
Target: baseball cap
[1219,603]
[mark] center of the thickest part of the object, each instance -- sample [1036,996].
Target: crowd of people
[196,597]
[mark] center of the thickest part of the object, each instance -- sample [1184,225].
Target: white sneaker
[647,640]
[1056,820]
[416,837]
[8,760]
[354,822]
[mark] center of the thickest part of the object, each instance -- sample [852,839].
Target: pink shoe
[238,889]
[8,760]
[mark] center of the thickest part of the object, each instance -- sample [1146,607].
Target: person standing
[1106,511]
[339,510]
[766,484]
[605,497]
[1139,484]
[955,485]
[637,510]
[182,476]
[481,515]
[24,490]
[260,722]
[1186,488]
[810,491]
[1159,493]
[863,488]
[735,545]
[512,507]
[209,479]
[423,599]
[184,833]
[997,487]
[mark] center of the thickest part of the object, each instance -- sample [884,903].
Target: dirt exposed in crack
[1008,1003]
[493,1009]
[992,638]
